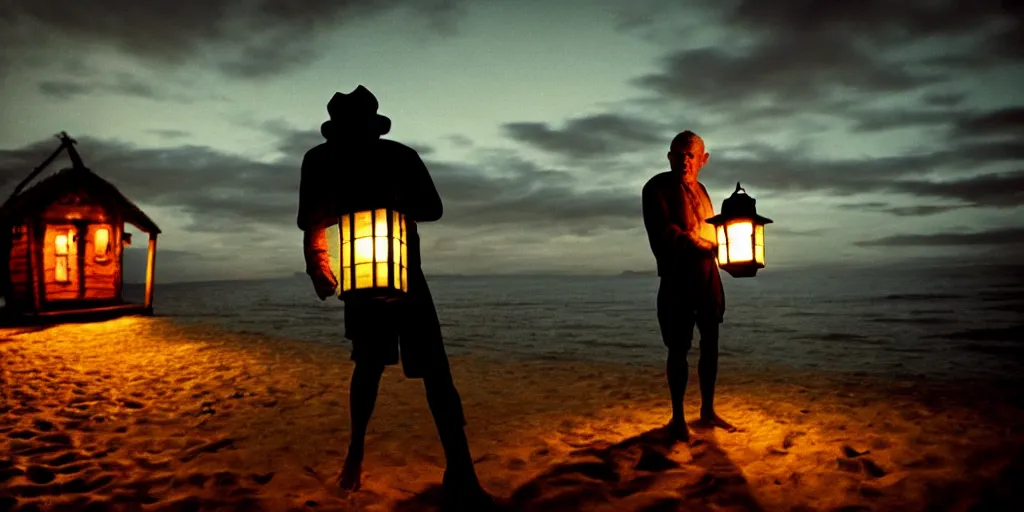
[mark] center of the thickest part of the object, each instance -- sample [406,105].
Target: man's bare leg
[362,399]
[707,372]
[461,485]
[677,370]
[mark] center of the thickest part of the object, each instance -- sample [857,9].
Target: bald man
[675,207]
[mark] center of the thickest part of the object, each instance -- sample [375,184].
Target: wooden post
[150,269]
[37,244]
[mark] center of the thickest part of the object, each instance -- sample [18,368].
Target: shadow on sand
[650,472]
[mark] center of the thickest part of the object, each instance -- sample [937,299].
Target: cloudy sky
[886,131]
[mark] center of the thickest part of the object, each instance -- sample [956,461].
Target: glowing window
[60,250]
[101,243]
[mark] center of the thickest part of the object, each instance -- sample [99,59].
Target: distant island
[637,273]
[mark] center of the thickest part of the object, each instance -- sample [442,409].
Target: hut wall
[20,265]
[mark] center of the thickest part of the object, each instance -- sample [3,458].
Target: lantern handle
[739,188]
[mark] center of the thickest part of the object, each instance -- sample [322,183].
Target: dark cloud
[64,89]
[882,119]
[780,230]
[228,193]
[120,84]
[1002,122]
[965,162]
[217,189]
[504,191]
[593,136]
[1001,236]
[782,72]
[170,134]
[944,99]
[792,172]
[994,190]
[878,21]
[794,57]
[460,141]
[292,143]
[900,211]
[245,38]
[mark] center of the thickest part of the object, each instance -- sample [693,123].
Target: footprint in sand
[21,434]
[40,474]
[261,479]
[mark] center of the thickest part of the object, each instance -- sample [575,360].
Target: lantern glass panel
[396,246]
[382,274]
[741,247]
[346,254]
[759,244]
[723,245]
[380,249]
[380,225]
[347,279]
[364,275]
[364,250]
[346,233]
[364,224]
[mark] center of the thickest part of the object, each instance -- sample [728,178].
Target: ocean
[935,322]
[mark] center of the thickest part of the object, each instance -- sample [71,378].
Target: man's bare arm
[670,235]
[314,218]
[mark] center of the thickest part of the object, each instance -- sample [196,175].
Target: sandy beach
[146,414]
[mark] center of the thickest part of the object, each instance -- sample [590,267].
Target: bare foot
[678,430]
[462,491]
[712,420]
[351,472]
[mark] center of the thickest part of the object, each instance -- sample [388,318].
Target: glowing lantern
[740,235]
[373,255]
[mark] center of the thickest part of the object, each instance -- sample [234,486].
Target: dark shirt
[338,178]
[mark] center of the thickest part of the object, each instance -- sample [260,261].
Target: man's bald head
[687,156]
[686,138]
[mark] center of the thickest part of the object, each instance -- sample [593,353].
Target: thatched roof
[43,193]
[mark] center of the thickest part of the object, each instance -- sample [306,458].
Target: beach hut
[61,246]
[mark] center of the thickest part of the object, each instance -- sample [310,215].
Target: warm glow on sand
[146,411]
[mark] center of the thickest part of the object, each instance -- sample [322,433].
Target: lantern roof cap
[738,206]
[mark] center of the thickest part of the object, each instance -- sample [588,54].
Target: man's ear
[706,157]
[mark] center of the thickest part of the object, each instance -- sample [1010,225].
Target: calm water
[937,322]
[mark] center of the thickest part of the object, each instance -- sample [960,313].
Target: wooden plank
[9,316]
[116,307]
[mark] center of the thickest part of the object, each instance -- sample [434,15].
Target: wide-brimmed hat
[357,108]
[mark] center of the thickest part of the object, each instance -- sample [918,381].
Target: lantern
[740,235]
[373,260]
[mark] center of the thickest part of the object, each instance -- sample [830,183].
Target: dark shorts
[408,331]
[696,298]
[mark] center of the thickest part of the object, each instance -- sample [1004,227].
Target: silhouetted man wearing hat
[676,207]
[355,160]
